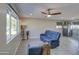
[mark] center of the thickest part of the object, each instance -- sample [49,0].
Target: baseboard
[31,37]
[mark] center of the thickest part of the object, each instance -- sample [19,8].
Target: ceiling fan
[50,12]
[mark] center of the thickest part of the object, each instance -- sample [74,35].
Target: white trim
[33,37]
[8,41]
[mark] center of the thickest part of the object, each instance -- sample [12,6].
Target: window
[59,25]
[75,25]
[12,24]
[8,26]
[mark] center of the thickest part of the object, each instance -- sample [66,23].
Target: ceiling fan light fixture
[48,15]
[30,13]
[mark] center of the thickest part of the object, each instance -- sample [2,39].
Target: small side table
[46,49]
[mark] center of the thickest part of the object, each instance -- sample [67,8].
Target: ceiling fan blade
[43,13]
[56,13]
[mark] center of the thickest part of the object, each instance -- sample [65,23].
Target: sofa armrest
[59,36]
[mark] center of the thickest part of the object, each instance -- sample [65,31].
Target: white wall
[3,46]
[11,47]
[37,26]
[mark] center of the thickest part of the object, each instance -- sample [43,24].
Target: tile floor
[67,46]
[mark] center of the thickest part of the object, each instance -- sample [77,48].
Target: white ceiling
[70,11]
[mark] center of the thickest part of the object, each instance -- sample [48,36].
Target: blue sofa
[51,37]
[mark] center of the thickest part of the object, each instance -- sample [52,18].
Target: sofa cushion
[53,35]
[45,38]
